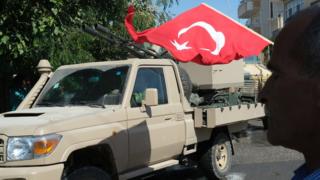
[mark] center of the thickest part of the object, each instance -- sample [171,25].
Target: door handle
[168,118]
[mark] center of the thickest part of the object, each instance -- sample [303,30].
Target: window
[289,12]
[82,87]
[271,10]
[292,7]
[149,78]
[298,7]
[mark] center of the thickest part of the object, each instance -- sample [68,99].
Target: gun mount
[135,49]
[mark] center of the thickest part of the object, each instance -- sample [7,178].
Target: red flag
[203,35]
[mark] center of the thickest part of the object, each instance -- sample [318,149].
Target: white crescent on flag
[218,37]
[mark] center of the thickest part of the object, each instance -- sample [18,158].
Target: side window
[149,78]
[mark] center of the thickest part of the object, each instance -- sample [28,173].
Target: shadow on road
[175,173]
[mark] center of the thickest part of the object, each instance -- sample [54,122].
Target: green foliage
[31,30]
[72,49]
[155,9]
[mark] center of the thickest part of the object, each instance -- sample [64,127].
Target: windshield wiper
[96,105]
[87,103]
[49,104]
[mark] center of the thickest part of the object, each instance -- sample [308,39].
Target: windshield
[85,87]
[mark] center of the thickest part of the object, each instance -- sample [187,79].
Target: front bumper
[53,172]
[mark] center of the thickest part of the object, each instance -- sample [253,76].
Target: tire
[216,162]
[88,173]
[186,82]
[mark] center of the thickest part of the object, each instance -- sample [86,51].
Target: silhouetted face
[291,97]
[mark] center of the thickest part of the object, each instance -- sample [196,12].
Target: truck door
[156,134]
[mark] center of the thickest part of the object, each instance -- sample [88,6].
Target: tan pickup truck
[124,119]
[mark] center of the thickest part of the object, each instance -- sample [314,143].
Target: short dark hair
[307,47]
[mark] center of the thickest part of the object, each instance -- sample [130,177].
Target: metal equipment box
[216,76]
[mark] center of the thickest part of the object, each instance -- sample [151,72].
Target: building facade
[267,17]
[264,16]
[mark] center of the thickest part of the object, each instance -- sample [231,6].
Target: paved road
[255,159]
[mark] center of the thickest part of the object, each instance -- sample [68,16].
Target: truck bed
[210,117]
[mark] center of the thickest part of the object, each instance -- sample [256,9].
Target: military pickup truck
[125,119]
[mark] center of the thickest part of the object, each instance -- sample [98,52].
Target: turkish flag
[202,35]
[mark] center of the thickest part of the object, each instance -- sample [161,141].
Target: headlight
[19,148]
[30,147]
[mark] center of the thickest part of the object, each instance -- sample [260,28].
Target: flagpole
[239,24]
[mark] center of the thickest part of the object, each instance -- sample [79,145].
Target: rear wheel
[216,162]
[88,173]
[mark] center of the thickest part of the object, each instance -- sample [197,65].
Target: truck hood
[26,122]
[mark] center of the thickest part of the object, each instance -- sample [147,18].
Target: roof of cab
[134,61]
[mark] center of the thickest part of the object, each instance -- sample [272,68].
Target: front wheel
[88,173]
[216,162]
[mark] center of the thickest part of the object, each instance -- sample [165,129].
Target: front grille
[2,150]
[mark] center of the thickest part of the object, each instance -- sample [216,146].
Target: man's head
[292,93]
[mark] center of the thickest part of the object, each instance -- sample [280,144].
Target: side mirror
[151,97]
[110,99]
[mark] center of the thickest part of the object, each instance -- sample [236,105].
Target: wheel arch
[225,130]
[100,155]
[205,145]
